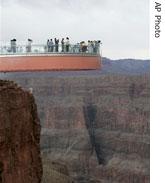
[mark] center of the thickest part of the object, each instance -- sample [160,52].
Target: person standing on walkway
[29,45]
[48,46]
[13,45]
[56,44]
[98,46]
[67,44]
[90,48]
[62,45]
[51,45]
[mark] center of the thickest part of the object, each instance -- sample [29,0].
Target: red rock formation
[20,160]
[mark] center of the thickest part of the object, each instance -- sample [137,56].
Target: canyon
[95,125]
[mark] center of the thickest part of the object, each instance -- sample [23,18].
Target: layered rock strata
[97,125]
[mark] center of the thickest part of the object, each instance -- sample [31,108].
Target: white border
[157,56]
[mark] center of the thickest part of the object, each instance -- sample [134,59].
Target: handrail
[93,49]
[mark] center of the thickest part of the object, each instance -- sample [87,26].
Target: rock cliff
[97,125]
[20,160]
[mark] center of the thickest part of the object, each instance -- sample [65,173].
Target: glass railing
[54,49]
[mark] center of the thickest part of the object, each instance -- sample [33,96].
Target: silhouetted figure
[56,44]
[67,44]
[29,45]
[13,45]
[62,45]
[90,48]
[95,47]
[48,46]
[51,45]
[83,46]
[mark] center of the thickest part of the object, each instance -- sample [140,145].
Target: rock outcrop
[20,160]
[97,125]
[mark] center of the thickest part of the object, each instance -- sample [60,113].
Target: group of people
[13,45]
[82,47]
[54,46]
[62,46]
[91,47]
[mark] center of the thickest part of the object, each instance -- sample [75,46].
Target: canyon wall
[96,125]
[20,160]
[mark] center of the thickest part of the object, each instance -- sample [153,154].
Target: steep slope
[20,160]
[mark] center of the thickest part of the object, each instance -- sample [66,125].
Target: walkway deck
[45,61]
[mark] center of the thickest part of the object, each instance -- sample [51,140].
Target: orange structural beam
[49,62]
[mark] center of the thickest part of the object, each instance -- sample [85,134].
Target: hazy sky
[122,25]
